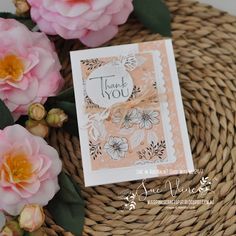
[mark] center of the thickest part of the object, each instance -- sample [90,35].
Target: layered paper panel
[130,113]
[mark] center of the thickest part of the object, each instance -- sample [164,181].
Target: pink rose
[28,170]
[29,67]
[94,22]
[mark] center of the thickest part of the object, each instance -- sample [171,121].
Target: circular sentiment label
[109,84]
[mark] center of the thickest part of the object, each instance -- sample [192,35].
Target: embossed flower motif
[116,147]
[147,118]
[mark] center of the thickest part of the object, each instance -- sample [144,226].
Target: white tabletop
[226,5]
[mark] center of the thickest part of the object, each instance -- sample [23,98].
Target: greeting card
[130,113]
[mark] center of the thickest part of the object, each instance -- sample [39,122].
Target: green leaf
[23,19]
[22,120]
[6,118]
[67,207]
[71,126]
[66,95]
[154,14]
[68,107]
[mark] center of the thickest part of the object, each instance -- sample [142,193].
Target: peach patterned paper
[130,113]
[178,143]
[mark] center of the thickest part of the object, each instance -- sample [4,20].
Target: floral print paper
[142,132]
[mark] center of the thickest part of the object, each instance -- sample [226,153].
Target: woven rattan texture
[205,49]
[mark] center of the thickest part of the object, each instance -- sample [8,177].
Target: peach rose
[94,22]
[28,170]
[29,67]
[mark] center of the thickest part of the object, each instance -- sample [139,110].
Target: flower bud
[38,128]
[56,118]
[37,111]
[31,218]
[12,228]
[22,6]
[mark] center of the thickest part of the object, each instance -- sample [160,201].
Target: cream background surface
[6,5]
[225,5]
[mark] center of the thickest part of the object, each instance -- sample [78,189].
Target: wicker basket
[205,50]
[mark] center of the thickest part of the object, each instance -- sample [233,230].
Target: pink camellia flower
[28,170]
[94,22]
[29,67]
